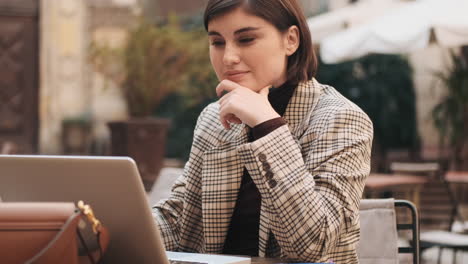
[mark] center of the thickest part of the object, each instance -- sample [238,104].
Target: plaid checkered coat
[320,161]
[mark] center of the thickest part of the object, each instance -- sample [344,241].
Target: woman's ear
[292,40]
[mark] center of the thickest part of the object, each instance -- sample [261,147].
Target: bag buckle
[88,212]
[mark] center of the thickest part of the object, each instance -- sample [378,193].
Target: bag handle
[68,232]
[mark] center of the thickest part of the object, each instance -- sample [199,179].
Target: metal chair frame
[414,227]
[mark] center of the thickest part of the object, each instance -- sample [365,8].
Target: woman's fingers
[225,123]
[233,119]
[242,105]
[227,118]
[223,118]
[225,86]
[225,112]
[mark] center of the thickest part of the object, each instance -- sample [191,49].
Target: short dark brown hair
[283,14]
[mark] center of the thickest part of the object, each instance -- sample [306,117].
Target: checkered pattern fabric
[310,204]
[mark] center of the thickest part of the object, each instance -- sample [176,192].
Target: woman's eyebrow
[213,33]
[237,32]
[245,30]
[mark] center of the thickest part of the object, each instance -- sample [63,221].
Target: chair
[433,200]
[379,236]
[416,168]
[447,238]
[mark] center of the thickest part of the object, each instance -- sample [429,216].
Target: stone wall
[63,87]
[69,88]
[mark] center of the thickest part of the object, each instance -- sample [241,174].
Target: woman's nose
[231,55]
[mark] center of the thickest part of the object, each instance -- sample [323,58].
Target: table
[416,168]
[457,176]
[258,260]
[410,184]
[458,181]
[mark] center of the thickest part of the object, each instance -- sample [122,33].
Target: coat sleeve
[312,186]
[168,212]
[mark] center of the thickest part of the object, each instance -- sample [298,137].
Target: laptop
[112,186]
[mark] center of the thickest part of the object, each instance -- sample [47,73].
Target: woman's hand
[242,105]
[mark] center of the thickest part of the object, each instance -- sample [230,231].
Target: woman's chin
[254,86]
[251,85]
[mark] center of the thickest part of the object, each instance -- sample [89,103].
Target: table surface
[258,260]
[380,180]
[457,176]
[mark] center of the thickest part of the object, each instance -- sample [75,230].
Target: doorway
[19,84]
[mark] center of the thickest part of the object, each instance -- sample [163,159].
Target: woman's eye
[217,43]
[246,40]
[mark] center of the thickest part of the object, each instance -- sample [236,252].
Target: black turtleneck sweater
[242,236]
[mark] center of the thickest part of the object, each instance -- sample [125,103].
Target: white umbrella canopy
[408,28]
[330,23]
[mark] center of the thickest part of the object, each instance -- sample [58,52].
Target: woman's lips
[236,75]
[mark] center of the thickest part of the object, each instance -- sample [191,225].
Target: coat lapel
[301,106]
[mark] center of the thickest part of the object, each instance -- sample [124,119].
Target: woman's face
[248,50]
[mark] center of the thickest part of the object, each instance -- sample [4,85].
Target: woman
[278,164]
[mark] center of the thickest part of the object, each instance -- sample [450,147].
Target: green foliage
[382,86]
[184,106]
[201,79]
[450,116]
[149,67]
[155,60]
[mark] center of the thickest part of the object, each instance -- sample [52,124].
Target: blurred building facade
[161,8]
[45,78]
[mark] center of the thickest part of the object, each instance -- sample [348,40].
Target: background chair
[416,168]
[438,208]
[379,236]
[447,237]
[435,203]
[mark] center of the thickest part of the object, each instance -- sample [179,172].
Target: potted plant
[450,116]
[148,68]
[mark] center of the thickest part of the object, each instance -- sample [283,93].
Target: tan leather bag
[50,233]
